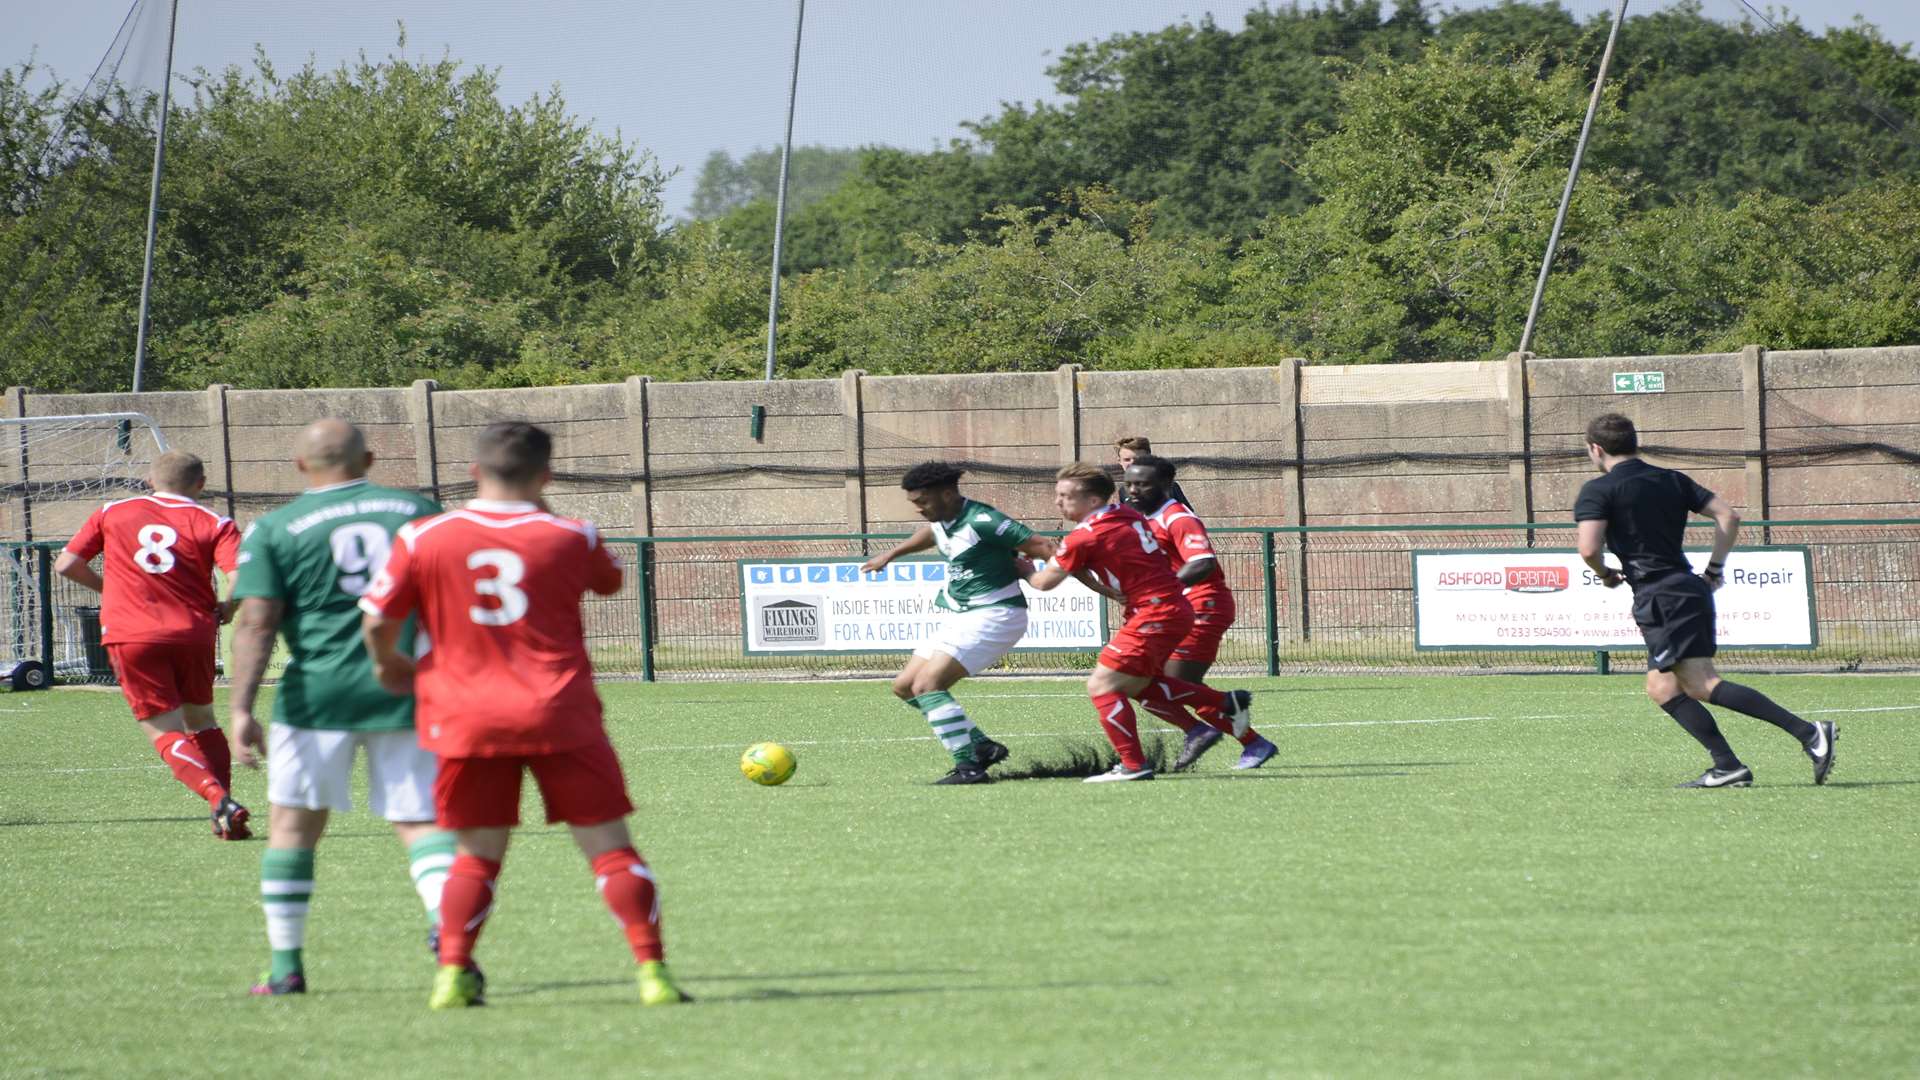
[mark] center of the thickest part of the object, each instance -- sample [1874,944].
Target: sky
[683,78]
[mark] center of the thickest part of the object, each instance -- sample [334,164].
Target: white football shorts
[979,638]
[312,769]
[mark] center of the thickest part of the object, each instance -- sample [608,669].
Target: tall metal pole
[153,205]
[780,200]
[1566,197]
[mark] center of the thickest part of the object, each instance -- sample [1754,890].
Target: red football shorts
[1212,615]
[1151,633]
[160,676]
[583,786]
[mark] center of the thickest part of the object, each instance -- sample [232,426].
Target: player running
[507,688]
[983,610]
[1640,512]
[1114,543]
[302,570]
[1149,484]
[159,619]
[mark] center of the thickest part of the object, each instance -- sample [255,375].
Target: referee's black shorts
[1676,618]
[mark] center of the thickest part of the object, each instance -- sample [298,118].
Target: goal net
[54,471]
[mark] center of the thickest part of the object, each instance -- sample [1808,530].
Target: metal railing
[1310,599]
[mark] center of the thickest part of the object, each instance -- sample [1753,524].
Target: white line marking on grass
[1876,708]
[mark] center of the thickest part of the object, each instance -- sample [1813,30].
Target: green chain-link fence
[1315,598]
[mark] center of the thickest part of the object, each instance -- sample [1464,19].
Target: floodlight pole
[1566,197]
[153,205]
[780,200]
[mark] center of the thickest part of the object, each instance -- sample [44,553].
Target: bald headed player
[302,570]
[159,617]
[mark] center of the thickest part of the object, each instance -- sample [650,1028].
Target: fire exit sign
[1639,382]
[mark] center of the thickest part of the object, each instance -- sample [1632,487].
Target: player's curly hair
[1090,479]
[932,474]
[1158,464]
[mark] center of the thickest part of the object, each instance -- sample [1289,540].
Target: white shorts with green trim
[979,638]
[311,769]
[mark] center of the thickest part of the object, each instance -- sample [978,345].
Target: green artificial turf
[1438,876]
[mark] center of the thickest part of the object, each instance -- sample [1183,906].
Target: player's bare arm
[259,622]
[1198,569]
[75,569]
[1726,530]
[921,540]
[393,668]
[1593,543]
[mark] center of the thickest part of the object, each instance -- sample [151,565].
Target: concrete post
[1293,546]
[426,469]
[1066,385]
[639,464]
[17,464]
[220,468]
[853,450]
[1519,465]
[1753,401]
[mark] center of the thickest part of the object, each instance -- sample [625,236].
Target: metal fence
[1311,599]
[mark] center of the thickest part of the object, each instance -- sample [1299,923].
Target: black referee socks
[1745,699]
[1698,722]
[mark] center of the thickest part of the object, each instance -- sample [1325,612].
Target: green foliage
[726,185]
[1339,181]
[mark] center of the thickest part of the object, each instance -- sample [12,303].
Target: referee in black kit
[1640,511]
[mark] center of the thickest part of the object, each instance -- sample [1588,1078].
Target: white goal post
[54,471]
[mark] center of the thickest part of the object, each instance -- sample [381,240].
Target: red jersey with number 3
[1184,537]
[160,553]
[1117,545]
[497,586]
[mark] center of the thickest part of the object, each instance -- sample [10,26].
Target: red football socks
[1200,698]
[465,902]
[1117,720]
[216,753]
[1177,715]
[626,885]
[183,757]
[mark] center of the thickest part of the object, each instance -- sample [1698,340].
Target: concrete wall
[680,459]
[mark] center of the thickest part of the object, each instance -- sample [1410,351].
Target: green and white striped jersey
[979,545]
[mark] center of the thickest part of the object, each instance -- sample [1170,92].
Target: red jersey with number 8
[160,553]
[498,586]
[1117,545]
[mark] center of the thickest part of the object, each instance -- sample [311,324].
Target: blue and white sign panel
[829,606]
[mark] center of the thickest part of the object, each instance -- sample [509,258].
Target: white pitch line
[880,740]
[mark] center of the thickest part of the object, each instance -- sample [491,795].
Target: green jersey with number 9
[316,555]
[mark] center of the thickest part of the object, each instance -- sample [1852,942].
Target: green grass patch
[1438,876]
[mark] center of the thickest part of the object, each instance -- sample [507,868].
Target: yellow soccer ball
[768,763]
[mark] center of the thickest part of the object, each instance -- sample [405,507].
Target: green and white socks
[286,892]
[286,889]
[428,860]
[950,724]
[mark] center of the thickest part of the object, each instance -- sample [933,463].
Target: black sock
[1745,699]
[1698,722]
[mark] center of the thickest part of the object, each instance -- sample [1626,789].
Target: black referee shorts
[1676,618]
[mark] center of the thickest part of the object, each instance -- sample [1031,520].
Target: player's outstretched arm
[75,569]
[921,540]
[259,621]
[1038,548]
[391,667]
[1726,531]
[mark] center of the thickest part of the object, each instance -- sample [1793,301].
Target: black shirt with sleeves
[1645,508]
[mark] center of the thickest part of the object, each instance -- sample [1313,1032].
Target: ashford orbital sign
[1529,598]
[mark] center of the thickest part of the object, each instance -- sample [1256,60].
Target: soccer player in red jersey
[506,688]
[1114,544]
[1149,486]
[159,618]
